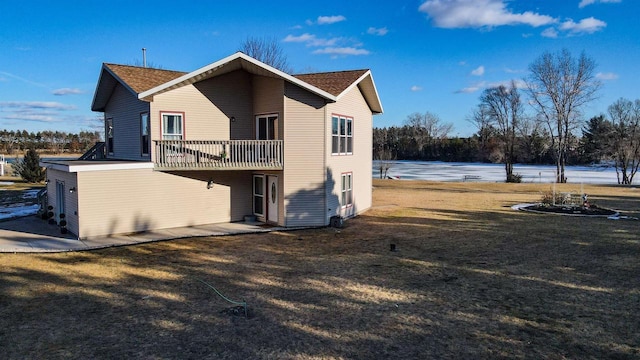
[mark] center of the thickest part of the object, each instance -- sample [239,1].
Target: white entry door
[272,196]
[60,205]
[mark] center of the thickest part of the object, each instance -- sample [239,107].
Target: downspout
[324,164]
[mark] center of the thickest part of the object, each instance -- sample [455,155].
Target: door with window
[272,202]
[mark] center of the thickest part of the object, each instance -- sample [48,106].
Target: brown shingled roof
[141,79]
[332,82]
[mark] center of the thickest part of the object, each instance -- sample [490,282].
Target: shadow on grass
[463,284]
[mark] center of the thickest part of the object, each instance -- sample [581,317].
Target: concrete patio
[30,234]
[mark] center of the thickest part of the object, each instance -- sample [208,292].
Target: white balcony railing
[218,154]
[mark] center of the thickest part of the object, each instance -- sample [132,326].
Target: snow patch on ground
[30,194]
[18,211]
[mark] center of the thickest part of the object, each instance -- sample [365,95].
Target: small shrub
[514,178]
[547,198]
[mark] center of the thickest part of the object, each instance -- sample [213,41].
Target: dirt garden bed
[568,210]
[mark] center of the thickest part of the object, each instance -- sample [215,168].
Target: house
[234,138]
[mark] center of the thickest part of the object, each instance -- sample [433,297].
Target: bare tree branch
[268,51]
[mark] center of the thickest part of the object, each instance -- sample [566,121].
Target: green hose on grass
[241,303]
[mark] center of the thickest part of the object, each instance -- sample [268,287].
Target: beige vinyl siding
[125,109]
[354,105]
[71,199]
[123,201]
[240,183]
[208,107]
[268,98]
[304,147]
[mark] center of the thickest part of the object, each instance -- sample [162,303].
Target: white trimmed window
[172,126]
[341,135]
[109,131]
[266,127]
[346,199]
[144,134]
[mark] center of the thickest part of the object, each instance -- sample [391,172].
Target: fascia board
[228,59]
[357,82]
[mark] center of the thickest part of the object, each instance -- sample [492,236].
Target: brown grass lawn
[471,279]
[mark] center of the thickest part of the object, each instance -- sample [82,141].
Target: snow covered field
[451,171]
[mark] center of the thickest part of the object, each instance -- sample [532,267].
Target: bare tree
[268,51]
[426,128]
[625,142]
[504,108]
[560,86]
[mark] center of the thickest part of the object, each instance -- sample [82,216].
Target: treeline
[404,143]
[54,142]
[596,145]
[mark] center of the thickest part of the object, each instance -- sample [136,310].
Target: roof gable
[144,83]
[338,83]
[134,78]
[141,79]
[332,82]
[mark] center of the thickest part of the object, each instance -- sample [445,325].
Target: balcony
[178,155]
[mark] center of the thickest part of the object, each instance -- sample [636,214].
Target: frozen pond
[452,171]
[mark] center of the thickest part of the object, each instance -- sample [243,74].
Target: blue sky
[428,55]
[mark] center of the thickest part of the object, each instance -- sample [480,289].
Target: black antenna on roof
[144,57]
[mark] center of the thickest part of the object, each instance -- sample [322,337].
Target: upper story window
[172,126]
[341,135]
[266,127]
[144,134]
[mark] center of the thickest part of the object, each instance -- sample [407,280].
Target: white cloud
[607,76]
[52,105]
[587,25]
[311,40]
[325,20]
[67,91]
[415,88]
[30,117]
[478,71]
[550,33]
[479,13]
[513,71]
[39,111]
[471,89]
[301,38]
[519,83]
[342,51]
[584,3]
[380,32]
[334,46]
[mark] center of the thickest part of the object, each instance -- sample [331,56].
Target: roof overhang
[231,63]
[106,83]
[369,91]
